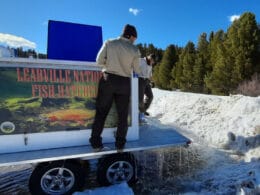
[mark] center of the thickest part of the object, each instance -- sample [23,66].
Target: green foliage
[216,62]
[165,67]
[242,42]
[150,49]
[187,60]
[156,78]
[29,53]
[233,55]
[218,81]
[201,65]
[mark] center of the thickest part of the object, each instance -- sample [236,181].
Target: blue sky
[160,22]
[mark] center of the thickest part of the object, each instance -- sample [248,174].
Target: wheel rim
[119,171]
[57,181]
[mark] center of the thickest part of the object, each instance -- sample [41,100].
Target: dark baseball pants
[111,88]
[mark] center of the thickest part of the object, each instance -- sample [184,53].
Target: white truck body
[26,141]
[64,144]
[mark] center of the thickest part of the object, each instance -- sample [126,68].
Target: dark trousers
[144,90]
[112,88]
[148,96]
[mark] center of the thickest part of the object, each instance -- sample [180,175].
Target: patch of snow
[117,189]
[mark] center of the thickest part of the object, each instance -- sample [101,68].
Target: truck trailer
[47,108]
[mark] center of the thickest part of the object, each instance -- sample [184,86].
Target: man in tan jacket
[119,57]
[146,65]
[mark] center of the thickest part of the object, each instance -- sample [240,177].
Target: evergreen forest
[219,63]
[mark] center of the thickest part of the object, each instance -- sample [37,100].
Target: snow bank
[230,122]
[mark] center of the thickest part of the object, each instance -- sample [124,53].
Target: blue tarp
[71,41]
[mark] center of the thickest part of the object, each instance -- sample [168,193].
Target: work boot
[96,143]
[142,119]
[98,149]
[119,147]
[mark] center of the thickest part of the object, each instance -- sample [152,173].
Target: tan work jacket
[119,56]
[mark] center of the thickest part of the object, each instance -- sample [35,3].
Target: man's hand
[105,75]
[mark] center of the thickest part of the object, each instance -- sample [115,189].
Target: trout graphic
[79,116]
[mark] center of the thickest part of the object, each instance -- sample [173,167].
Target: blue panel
[70,41]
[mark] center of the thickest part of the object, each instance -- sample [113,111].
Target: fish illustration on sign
[79,116]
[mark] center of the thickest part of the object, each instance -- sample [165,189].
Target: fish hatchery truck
[47,107]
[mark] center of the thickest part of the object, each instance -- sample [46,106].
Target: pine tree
[155,77]
[219,79]
[187,59]
[177,73]
[199,73]
[242,43]
[216,59]
[165,68]
[216,40]
[201,62]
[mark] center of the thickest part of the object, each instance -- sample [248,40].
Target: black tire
[117,168]
[57,178]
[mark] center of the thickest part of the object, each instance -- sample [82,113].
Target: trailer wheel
[117,168]
[56,178]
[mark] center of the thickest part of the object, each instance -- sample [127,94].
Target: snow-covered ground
[226,129]
[226,136]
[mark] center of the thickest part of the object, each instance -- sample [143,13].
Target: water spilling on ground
[159,172]
[197,169]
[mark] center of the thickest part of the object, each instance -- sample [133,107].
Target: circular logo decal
[7,127]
